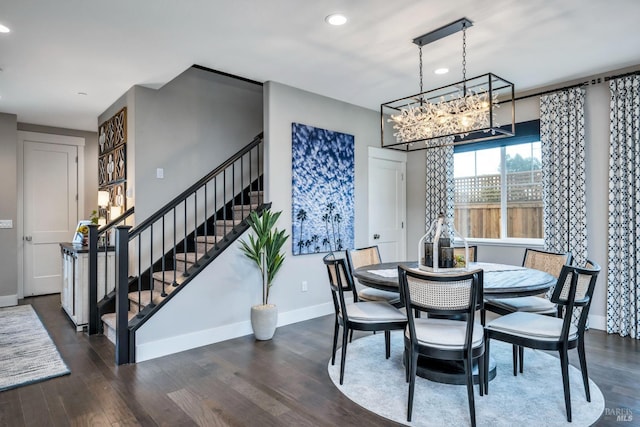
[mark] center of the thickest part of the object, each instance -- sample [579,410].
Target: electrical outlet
[305,286]
[6,223]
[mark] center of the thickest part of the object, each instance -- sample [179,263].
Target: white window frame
[510,241]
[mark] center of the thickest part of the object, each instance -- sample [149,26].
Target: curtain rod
[585,83]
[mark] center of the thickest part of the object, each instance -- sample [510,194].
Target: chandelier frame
[454,114]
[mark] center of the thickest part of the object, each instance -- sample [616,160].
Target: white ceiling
[59,48]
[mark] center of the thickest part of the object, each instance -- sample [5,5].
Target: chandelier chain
[420,56]
[464,57]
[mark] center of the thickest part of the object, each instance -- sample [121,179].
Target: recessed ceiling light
[441,71]
[4,29]
[336,19]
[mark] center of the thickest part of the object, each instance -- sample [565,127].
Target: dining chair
[360,257]
[451,294]
[357,315]
[573,289]
[549,262]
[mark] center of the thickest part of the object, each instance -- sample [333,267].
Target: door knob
[376,236]
[28,238]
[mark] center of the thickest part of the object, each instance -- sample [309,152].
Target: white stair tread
[110,318]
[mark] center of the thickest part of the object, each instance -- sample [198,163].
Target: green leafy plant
[265,247]
[94,217]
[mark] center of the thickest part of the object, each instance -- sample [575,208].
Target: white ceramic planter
[264,319]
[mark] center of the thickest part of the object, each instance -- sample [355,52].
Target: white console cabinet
[75,280]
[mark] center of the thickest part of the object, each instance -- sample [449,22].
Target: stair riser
[157,284]
[256,199]
[221,230]
[202,249]
[240,214]
[109,332]
[183,266]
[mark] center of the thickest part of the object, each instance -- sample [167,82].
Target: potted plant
[265,249]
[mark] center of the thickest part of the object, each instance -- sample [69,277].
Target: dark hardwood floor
[241,382]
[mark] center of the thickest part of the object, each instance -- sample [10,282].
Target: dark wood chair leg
[480,363]
[387,343]
[351,336]
[521,357]
[583,368]
[564,363]
[345,334]
[468,367]
[412,383]
[335,342]
[515,360]
[487,341]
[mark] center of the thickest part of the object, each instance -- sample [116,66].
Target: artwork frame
[323,190]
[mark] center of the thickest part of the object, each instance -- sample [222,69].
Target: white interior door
[387,203]
[50,212]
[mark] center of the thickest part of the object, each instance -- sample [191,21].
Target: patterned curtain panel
[623,293]
[440,185]
[563,172]
[563,175]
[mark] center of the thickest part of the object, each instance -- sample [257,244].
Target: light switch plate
[6,223]
[159,173]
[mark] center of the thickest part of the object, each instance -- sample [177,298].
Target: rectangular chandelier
[471,110]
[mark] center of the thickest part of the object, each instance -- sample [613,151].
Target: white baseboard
[8,300]
[159,348]
[597,322]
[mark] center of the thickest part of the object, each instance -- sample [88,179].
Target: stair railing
[168,240]
[102,241]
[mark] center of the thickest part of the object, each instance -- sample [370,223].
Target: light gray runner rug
[533,398]
[27,353]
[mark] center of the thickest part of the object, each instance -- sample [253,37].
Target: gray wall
[8,209]
[188,127]
[218,300]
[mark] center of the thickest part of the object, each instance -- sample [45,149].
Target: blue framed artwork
[322,190]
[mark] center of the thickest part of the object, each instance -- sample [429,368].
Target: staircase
[165,282]
[178,241]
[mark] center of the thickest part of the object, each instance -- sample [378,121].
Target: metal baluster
[195,228]
[164,258]
[139,315]
[184,241]
[151,303]
[215,212]
[206,221]
[175,250]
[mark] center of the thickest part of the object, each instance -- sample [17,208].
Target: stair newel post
[122,294]
[94,320]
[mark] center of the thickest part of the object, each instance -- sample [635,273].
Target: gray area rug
[533,398]
[27,353]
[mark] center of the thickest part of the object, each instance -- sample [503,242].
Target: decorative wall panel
[112,159]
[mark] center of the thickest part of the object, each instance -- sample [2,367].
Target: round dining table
[499,281]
